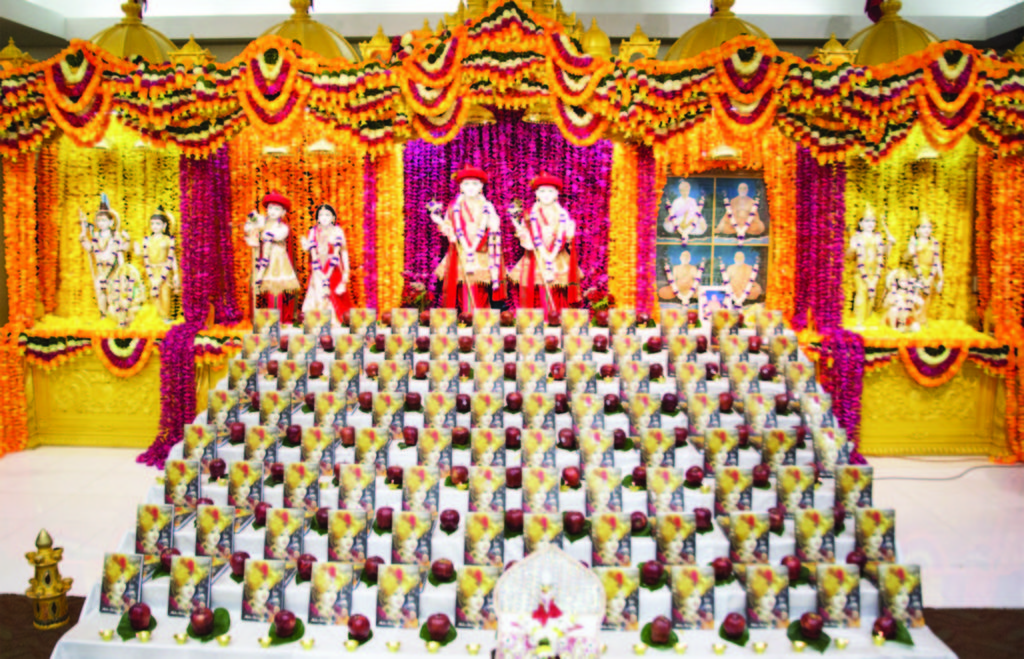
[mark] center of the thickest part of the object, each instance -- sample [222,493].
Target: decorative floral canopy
[512,57]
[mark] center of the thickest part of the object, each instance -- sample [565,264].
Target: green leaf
[300,629]
[124,627]
[378,530]
[221,625]
[316,527]
[794,633]
[661,584]
[513,534]
[434,581]
[573,537]
[903,635]
[646,533]
[365,579]
[628,446]
[449,637]
[645,636]
[364,641]
[238,579]
[741,641]
[160,572]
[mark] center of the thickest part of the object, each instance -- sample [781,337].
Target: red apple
[694,476]
[316,369]
[413,401]
[612,404]
[640,476]
[237,561]
[661,630]
[277,472]
[466,318]
[702,516]
[394,475]
[782,404]
[571,477]
[310,400]
[608,371]
[372,370]
[811,625]
[513,477]
[205,501]
[702,343]
[710,372]
[385,319]
[754,344]
[272,367]
[561,404]
[509,343]
[259,513]
[459,475]
[366,400]
[601,318]
[421,370]
[284,624]
[554,318]
[838,514]
[202,620]
[692,318]
[682,434]
[509,370]
[637,521]
[327,343]
[384,518]
[348,436]
[513,439]
[460,436]
[379,342]
[443,569]
[323,517]
[293,435]
[305,566]
[425,318]
[449,520]
[654,344]
[237,430]
[551,343]
[139,616]
[514,402]
[359,627]
[656,372]
[801,436]
[218,467]
[166,556]
[411,435]
[600,343]
[508,319]
[722,567]
[346,318]
[762,473]
[282,344]
[372,568]
[558,371]
[767,373]
[886,626]
[792,563]
[858,558]
[566,439]
[725,401]
[466,344]
[422,344]
[438,626]
[619,438]
[652,572]
[573,522]
[777,518]
[743,435]
[462,403]
[734,625]
[514,520]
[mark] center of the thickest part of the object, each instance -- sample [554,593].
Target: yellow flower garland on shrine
[48,230]
[940,187]
[20,238]
[140,363]
[390,229]
[622,237]
[13,403]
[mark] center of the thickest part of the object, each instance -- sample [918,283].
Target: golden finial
[191,54]
[638,44]
[43,540]
[890,38]
[378,48]
[596,43]
[722,8]
[13,57]
[441,27]
[1017,54]
[476,8]
[833,53]
[48,590]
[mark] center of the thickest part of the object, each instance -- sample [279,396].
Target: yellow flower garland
[390,229]
[622,236]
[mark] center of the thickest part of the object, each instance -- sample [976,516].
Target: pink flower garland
[370,232]
[646,226]
[842,364]
[821,207]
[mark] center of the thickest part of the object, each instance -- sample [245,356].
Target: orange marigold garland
[622,236]
[390,230]
[13,403]
[124,357]
[20,238]
[47,214]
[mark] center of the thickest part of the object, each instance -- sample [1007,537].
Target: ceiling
[977,21]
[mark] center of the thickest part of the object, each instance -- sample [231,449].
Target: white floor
[967,533]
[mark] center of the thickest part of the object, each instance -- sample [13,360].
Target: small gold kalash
[48,590]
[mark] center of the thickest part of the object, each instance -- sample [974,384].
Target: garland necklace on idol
[737,302]
[693,284]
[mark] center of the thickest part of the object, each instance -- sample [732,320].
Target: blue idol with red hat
[546,179]
[275,197]
[470,171]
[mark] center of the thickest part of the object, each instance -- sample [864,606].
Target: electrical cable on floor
[947,478]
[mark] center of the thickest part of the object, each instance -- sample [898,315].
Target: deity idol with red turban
[274,274]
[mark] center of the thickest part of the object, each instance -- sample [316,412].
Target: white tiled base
[966,534]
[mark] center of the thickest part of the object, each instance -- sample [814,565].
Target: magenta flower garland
[512,153]
[370,232]
[647,227]
[842,365]
[206,274]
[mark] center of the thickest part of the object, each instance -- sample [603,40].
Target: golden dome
[131,37]
[1017,54]
[712,33]
[191,54]
[379,47]
[833,53]
[596,43]
[890,38]
[313,35]
[12,57]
